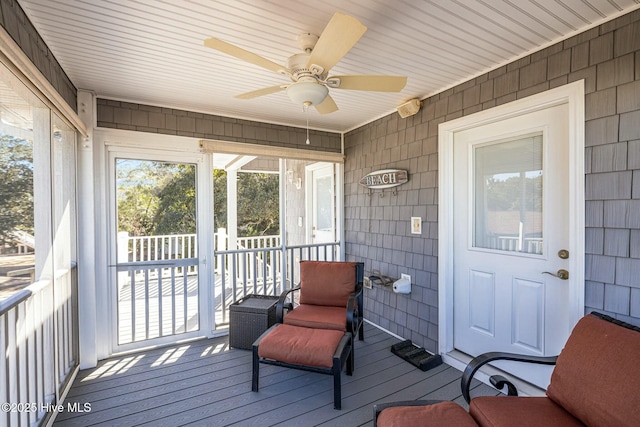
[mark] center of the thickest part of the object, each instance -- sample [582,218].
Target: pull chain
[305,108]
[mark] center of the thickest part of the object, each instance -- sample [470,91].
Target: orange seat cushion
[497,411]
[301,346]
[317,316]
[327,282]
[596,377]
[438,415]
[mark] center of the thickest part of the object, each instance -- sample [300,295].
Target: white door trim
[112,142]
[571,94]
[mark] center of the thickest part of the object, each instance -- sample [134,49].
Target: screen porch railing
[40,322]
[258,265]
[39,338]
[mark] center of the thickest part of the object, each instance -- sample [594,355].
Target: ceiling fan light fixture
[307,93]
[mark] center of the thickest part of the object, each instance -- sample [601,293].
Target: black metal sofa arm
[354,313]
[282,304]
[498,381]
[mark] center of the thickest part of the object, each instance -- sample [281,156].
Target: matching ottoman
[318,350]
[423,414]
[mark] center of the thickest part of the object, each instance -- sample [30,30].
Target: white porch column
[87,238]
[232,208]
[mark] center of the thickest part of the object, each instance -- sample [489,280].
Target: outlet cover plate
[367,283]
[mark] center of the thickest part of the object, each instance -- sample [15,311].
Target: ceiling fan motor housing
[297,65]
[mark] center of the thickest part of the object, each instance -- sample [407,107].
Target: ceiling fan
[308,71]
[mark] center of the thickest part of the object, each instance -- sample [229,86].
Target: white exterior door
[511,237]
[321,203]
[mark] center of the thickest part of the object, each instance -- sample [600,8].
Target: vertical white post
[281,260]
[232,214]
[122,256]
[232,209]
[42,194]
[221,245]
[87,229]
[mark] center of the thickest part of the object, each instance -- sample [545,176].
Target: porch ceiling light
[307,93]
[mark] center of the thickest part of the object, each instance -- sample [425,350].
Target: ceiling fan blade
[261,92]
[368,82]
[337,38]
[327,106]
[244,55]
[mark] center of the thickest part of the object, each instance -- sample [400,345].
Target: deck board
[207,383]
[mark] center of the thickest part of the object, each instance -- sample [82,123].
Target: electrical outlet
[406,276]
[367,283]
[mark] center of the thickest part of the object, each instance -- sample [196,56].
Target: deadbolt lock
[563,253]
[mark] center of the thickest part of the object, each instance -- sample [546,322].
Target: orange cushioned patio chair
[595,382]
[330,297]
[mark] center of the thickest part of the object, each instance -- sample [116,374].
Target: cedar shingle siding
[377,229]
[15,22]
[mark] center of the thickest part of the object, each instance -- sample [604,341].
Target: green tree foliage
[16,188]
[137,192]
[507,194]
[220,198]
[258,204]
[176,212]
[160,198]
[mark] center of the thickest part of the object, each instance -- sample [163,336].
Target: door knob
[560,274]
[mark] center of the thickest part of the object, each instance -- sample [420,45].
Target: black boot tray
[417,356]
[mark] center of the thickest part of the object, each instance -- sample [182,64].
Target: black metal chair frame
[498,381]
[341,357]
[355,305]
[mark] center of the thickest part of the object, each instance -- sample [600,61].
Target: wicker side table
[249,318]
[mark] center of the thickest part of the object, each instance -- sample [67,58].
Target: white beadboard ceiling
[152,52]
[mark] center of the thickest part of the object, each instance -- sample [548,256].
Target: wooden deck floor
[207,383]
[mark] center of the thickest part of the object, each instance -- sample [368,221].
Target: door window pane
[508,195]
[324,195]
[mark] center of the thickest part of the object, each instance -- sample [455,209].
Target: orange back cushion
[597,376]
[326,282]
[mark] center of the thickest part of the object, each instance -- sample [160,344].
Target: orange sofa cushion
[301,346]
[318,316]
[437,415]
[497,411]
[327,282]
[596,377]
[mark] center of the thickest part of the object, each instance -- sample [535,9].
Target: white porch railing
[144,249]
[39,338]
[157,299]
[134,249]
[530,245]
[265,271]
[260,265]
